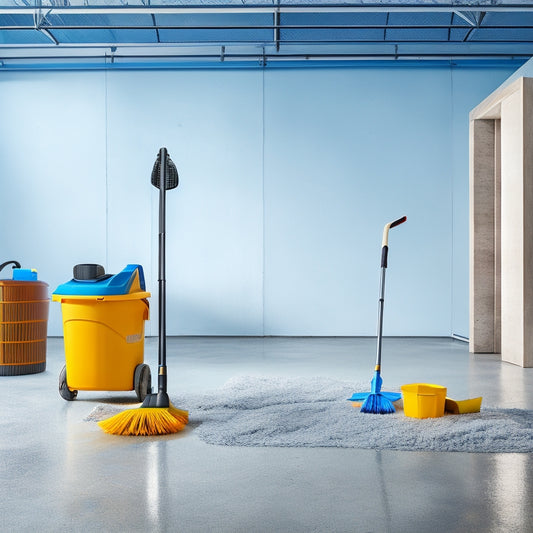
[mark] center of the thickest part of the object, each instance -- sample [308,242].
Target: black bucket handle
[16,264]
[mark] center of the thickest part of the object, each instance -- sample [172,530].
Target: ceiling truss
[262,32]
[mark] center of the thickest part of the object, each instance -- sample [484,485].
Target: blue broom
[377,401]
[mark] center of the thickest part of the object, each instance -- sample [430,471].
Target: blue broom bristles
[377,404]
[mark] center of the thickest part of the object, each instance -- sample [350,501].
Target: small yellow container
[423,400]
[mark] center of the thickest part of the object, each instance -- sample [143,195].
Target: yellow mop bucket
[103,328]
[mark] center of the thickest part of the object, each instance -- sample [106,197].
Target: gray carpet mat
[313,412]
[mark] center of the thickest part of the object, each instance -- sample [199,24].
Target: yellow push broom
[156,415]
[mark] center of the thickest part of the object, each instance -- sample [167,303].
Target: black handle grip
[384,255]
[171,172]
[398,222]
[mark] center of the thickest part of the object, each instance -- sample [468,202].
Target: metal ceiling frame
[467,19]
[275,6]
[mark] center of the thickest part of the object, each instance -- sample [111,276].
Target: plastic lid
[121,283]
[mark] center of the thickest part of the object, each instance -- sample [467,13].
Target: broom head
[145,421]
[376,402]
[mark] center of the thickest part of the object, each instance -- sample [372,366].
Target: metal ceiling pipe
[376,7]
[111,26]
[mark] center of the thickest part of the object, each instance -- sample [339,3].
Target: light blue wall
[287,178]
[211,124]
[52,173]
[347,151]
[525,71]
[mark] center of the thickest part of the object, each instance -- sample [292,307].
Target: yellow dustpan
[460,407]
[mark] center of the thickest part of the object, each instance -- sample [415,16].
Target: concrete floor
[61,473]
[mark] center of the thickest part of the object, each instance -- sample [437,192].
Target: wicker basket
[23,327]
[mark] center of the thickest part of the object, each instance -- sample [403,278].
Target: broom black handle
[162,374]
[381,302]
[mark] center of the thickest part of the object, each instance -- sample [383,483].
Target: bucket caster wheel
[64,391]
[142,381]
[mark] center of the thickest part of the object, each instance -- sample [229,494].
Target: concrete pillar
[482,236]
[501,224]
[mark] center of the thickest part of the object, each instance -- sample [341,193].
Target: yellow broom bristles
[146,421]
[179,413]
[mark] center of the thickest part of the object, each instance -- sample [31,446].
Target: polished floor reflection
[61,473]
